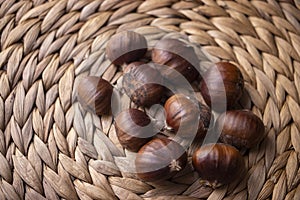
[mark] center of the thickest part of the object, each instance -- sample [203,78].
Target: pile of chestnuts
[159,156]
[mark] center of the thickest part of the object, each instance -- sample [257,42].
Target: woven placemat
[52,148]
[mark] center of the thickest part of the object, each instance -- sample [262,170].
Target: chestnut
[218,164]
[134,129]
[126,47]
[222,82]
[176,55]
[240,128]
[160,159]
[127,68]
[94,94]
[188,116]
[143,83]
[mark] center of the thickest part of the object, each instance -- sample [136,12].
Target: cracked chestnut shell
[134,129]
[143,83]
[177,56]
[126,47]
[160,159]
[94,94]
[218,164]
[187,115]
[240,128]
[222,75]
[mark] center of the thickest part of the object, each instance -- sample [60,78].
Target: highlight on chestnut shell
[143,83]
[218,164]
[160,159]
[126,47]
[177,56]
[134,129]
[94,94]
[240,128]
[222,83]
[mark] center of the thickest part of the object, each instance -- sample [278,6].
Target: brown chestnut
[126,47]
[134,129]
[218,164]
[160,159]
[143,83]
[222,82]
[94,94]
[177,56]
[240,128]
[187,115]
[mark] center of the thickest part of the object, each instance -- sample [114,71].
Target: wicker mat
[51,148]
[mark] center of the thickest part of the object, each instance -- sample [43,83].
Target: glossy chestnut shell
[177,56]
[126,47]
[240,128]
[187,115]
[160,159]
[94,94]
[143,83]
[222,82]
[134,129]
[218,164]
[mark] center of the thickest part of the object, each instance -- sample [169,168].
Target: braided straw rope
[47,140]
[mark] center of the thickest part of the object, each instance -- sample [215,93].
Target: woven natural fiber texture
[51,148]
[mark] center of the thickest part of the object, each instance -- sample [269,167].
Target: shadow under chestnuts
[158,156]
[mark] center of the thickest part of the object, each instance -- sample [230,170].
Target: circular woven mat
[47,141]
